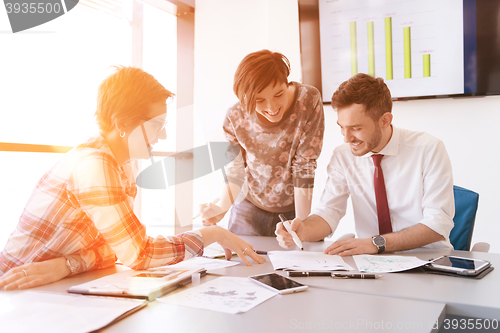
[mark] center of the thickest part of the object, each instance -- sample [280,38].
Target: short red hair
[257,71]
[125,96]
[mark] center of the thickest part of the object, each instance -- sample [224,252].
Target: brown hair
[125,96]
[257,71]
[367,90]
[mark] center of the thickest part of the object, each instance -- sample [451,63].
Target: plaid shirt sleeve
[97,186]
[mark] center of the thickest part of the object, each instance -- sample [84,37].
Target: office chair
[466,202]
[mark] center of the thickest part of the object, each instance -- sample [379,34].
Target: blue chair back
[466,202]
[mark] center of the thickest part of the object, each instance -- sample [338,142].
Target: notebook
[42,311]
[148,284]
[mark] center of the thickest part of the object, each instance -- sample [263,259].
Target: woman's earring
[122,134]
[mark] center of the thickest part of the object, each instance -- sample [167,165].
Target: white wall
[470,129]
[226,30]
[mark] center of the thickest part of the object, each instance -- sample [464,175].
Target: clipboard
[124,284]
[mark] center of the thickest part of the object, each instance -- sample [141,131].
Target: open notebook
[138,284]
[41,311]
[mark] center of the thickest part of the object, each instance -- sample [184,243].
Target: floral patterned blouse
[278,157]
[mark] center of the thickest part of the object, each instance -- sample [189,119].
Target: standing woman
[80,215]
[279,127]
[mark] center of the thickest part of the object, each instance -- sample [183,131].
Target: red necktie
[384,219]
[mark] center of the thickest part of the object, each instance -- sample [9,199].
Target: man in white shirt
[416,171]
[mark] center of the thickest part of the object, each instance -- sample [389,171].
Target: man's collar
[392,147]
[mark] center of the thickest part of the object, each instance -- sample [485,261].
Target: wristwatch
[73,264]
[379,242]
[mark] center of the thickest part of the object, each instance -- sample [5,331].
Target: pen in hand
[216,200]
[288,228]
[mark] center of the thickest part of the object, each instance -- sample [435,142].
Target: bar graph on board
[388,48]
[371,48]
[407,52]
[354,51]
[414,45]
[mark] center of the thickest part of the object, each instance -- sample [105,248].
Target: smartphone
[278,283]
[459,265]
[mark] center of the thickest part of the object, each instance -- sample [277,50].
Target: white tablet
[459,265]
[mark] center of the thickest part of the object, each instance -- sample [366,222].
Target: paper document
[214,250]
[386,264]
[206,263]
[65,313]
[137,284]
[307,261]
[225,294]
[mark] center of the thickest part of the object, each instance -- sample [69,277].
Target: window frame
[184,10]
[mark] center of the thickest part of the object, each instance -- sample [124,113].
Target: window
[157,207]
[49,76]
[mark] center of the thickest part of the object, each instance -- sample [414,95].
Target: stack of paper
[307,261]
[206,263]
[65,313]
[386,263]
[215,251]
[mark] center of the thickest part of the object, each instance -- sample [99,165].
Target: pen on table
[216,200]
[355,276]
[222,256]
[288,227]
[335,275]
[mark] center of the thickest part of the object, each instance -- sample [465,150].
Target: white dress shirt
[418,180]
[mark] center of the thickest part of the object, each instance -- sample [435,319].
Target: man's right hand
[283,237]
[211,214]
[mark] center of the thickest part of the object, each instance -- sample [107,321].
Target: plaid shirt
[83,207]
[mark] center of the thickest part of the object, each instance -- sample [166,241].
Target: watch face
[379,241]
[72,264]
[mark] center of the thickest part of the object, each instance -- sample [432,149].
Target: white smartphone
[459,265]
[278,283]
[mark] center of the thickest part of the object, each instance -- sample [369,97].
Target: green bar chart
[414,45]
[407,51]
[427,65]
[388,48]
[354,51]
[371,48]
[388,41]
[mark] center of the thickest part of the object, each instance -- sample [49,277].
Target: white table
[398,302]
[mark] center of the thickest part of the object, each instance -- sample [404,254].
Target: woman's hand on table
[34,274]
[230,242]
